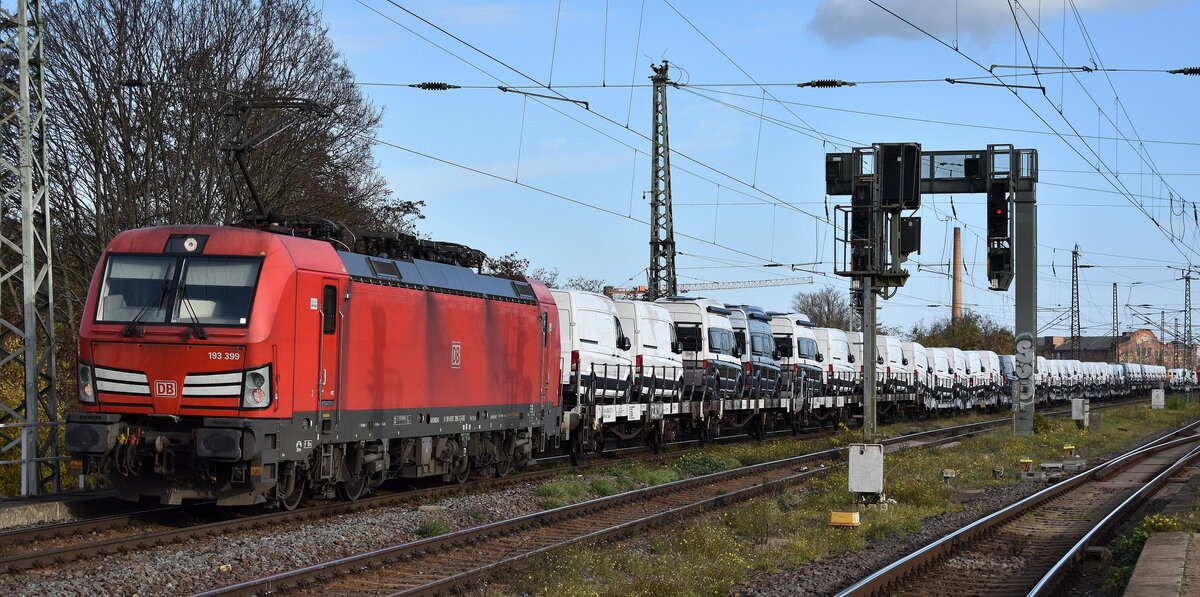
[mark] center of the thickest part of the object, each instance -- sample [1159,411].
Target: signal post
[887,179]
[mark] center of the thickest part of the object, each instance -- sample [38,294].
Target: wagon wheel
[353,488]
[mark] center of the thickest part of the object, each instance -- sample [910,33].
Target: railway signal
[875,241]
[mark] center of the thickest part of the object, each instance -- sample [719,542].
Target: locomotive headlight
[87,392]
[256,388]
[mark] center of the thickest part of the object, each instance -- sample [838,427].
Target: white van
[918,365]
[712,366]
[987,377]
[657,364]
[942,377]
[841,372]
[799,356]
[895,365]
[964,390]
[856,350]
[595,361]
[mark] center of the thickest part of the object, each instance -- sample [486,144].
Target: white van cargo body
[987,377]
[840,375]
[942,378]
[918,367]
[596,363]
[657,364]
[896,375]
[964,389]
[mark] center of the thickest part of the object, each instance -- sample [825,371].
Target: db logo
[165,388]
[455,355]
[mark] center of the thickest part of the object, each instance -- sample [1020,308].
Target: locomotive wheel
[353,489]
[290,502]
[504,466]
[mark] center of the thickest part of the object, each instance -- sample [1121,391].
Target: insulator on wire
[827,83]
[1191,70]
[433,86]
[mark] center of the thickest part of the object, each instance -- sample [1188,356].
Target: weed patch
[433,527]
[557,494]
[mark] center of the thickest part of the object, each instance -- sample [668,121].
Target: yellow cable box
[843,519]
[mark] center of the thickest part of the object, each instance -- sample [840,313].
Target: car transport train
[244,366]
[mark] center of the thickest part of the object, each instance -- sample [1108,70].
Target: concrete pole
[1025,247]
[956,300]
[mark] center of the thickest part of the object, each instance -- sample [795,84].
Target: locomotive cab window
[216,291]
[136,288]
[151,289]
[329,310]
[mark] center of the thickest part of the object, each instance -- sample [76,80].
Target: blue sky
[753,191]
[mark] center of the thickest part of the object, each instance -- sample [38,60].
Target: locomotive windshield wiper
[162,295]
[184,302]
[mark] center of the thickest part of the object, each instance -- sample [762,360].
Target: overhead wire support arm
[544,96]
[987,84]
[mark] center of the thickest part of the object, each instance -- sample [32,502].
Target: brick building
[1138,346]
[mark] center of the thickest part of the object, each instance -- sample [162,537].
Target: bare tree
[137,89]
[826,307]
[588,284]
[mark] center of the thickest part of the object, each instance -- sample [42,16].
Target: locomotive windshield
[179,290]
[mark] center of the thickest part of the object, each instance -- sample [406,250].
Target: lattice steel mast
[661,279]
[1075,329]
[1189,339]
[28,429]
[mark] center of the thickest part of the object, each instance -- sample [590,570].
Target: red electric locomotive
[242,366]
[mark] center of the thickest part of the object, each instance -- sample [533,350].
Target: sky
[562,183]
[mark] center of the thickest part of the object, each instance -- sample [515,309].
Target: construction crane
[612,291]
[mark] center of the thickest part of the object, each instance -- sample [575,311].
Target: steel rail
[23,561]
[468,536]
[879,580]
[1065,565]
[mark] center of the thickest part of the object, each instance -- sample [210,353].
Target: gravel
[826,577]
[202,564]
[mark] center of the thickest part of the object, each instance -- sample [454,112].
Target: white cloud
[847,22]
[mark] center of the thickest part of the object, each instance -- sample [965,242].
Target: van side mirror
[737,351]
[624,343]
[904,361]
[849,358]
[879,360]
[677,347]
[775,354]
[820,357]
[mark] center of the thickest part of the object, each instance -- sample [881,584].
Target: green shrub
[1176,403]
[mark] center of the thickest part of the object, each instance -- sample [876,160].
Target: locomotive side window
[216,291]
[136,287]
[329,310]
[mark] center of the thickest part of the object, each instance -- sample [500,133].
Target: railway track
[24,549]
[447,562]
[1031,547]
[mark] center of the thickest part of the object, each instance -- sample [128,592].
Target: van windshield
[176,289]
